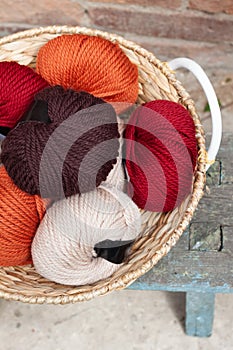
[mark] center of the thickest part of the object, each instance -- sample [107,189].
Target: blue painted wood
[201,263]
[192,287]
[187,270]
[199,314]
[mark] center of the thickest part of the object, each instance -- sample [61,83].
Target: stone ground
[133,320]
[130,320]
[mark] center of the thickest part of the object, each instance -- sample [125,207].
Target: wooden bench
[201,264]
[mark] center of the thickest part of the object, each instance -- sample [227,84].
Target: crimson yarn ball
[161,155]
[18,85]
[71,153]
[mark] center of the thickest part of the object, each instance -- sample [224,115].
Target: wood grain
[202,260]
[200,315]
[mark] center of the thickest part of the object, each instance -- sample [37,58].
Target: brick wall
[166,27]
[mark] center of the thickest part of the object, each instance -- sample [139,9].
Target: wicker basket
[160,231]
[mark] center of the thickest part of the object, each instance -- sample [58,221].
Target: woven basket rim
[89,292]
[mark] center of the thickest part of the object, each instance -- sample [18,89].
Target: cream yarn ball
[63,247]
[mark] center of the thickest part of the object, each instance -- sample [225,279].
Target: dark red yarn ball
[71,154]
[161,155]
[18,85]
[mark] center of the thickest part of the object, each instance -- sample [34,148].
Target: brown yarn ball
[71,153]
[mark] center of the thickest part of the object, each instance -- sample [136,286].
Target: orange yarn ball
[20,215]
[91,64]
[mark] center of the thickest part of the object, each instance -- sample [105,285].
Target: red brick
[176,25]
[170,4]
[213,56]
[212,6]
[10,28]
[40,12]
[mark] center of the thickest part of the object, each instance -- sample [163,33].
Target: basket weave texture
[160,231]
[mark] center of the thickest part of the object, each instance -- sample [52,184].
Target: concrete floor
[132,320]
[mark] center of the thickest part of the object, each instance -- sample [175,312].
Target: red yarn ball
[18,85]
[161,155]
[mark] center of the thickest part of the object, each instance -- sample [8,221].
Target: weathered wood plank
[199,314]
[227,232]
[209,271]
[213,177]
[216,207]
[204,237]
[203,258]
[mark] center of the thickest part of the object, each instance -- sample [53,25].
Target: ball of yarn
[63,247]
[89,63]
[161,155]
[72,154]
[20,215]
[0,145]
[18,85]
[117,177]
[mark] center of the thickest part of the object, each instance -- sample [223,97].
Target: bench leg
[199,314]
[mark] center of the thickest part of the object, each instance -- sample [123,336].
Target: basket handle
[215,112]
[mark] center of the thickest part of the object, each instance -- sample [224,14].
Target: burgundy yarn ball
[18,85]
[65,149]
[161,155]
